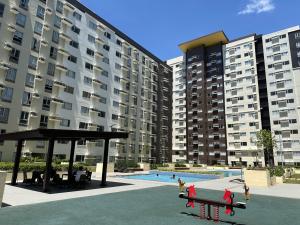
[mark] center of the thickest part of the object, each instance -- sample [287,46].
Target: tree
[266,140]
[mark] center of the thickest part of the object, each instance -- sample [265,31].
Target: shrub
[180,165]
[277,171]
[197,165]
[124,164]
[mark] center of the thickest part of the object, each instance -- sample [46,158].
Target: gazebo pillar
[17,162]
[48,165]
[71,160]
[105,161]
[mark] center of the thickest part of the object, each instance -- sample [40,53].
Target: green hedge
[24,166]
[124,164]
[277,171]
[180,165]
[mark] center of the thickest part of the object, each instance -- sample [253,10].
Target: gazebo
[52,135]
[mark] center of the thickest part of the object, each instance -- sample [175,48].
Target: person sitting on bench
[79,173]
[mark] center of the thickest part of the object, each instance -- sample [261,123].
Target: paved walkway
[19,196]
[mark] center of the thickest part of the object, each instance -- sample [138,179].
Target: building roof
[59,134]
[207,40]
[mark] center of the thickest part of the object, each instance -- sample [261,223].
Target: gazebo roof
[59,134]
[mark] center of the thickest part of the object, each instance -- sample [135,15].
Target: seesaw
[228,204]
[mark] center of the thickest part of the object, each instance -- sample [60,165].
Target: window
[108,35]
[119,42]
[91,39]
[65,123]
[11,75]
[106,47]
[118,54]
[77,16]
[24,118]
[29,81]
[44,121]
[26,99]
[90,52]
[105,60]
[55,37]
[83,125]
[18,37]
[1,9]
[117,79]
[7,94]
[67,106]
[87,80]
[24,4]
[57,21]
[14,56]
[75,29]
[101,114]
[21,20]
[40,12]
[72,59]
[92,25]
[89,66]
[104,73]
[35,45]
[102,100]
[116,104]
[71,74]
[69,89]
[4,114]
[86,94]
[59,7]
[114,117]
[46,103]
[74,44]
[48,86]
[84,110]
[32,63]
[103,86]
[38,28]
[51,69]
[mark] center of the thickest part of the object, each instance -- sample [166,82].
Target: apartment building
[245,103]
[64,67]
[179,110]
[282,63]
[205,109]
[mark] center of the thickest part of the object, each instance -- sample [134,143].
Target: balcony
[44,43]
[98,68]
[57,101]
[99,40]
[36,95]
[99,54]
[2,87]
[94,110]
[61,68]
[11,28]
[95,81]
[66,21]
[48,11]
[4,66]
[93,95]
[42,60]
[38,77]
[46,26]
[69,7]
[7,46]
[100,27]
[33,114]
[63,52]
[59,84]
[14,10]
[55,118]
[62,35]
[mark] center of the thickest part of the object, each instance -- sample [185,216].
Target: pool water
[186,177]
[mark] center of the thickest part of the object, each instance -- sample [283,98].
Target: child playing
[181,186]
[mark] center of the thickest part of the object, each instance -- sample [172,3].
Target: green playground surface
[153,206]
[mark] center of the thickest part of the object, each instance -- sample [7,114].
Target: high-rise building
[64,67]
[245,93]
[179,110]
[282,63]
[205,109]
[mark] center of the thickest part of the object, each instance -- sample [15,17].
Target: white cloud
[258,6]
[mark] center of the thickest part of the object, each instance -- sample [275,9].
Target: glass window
[69,89]
[48,86]
[21,20]
[40,12]
[67,106]
[55,37]
[71,74]
[4,114]
[65,123]
[105,60]
[90,52]
[87,80]
[2,6]
[106,47]
[24,4]
[75,29]
[53,53]
[57,21]
[84,110]
[11,74]
[89,66]
[74,44]
[77,16]
[7,94]
[14,55]
[91,39]
[38,28]
[51,69]
[46,103]
[59,6]
[29,82]
[35,45]
[72,58]
[44,121]
[24,118]
[92,25]
[18,37]
[26,99]
[108,35]
[32,62]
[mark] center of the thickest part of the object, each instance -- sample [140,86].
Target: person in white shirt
[79,173]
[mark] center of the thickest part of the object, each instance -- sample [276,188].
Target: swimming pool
[186,177]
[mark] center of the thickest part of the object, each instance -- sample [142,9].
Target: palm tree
[266,140]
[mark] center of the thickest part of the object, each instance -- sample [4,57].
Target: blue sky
[160,25]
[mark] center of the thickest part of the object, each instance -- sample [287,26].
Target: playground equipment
[228,204]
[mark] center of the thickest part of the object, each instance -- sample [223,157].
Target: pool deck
[16,196]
